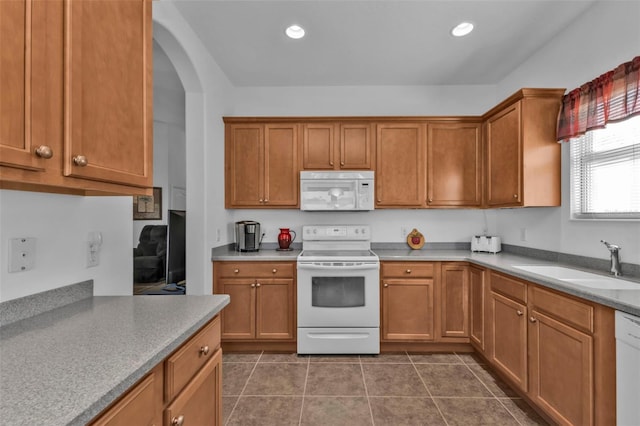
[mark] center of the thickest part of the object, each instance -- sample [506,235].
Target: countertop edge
[120,389]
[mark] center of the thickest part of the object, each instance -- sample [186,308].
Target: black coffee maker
[248,236]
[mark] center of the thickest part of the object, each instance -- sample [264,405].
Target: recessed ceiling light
[462,29]
[295,31]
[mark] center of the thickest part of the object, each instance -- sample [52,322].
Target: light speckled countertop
[624,300]
[66,365]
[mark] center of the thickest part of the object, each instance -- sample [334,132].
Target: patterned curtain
[613,96]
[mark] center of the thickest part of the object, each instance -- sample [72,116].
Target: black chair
[150,257]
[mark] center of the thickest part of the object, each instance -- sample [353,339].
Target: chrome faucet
[616,270]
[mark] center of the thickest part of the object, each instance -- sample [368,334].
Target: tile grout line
[491,392]
[427,388]
[243,388]
[366,390]
[304,391]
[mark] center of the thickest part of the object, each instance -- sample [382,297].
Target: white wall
[605,36]
[208,97]
[60,224]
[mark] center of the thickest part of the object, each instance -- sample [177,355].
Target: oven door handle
[333,266]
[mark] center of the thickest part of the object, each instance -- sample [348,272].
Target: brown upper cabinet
[76,96]
[400,165]
[522,155]
[261,165]
[337,146]
[506,158]
[454,164]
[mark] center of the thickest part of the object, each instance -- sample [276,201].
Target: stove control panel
[336,232]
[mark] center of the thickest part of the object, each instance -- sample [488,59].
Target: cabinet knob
[258,285]
[261,200]
[44,151]
[204,350]
[274,270]
[331,163]
[515,195]
[177,421]
[430,200]
[266,200]
[80,160]
[532,319]
[386,285]
[342,163]
[379,200]
[235,271]
[520,313]
[408,271]
[252,285]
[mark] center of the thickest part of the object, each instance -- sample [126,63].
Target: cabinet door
[108,99]
[407,309]
[200,403]
[504,157]
[238,319]
[318,146]
[355,146]
[562,366]
[244,170]
[281,165]
[509,336]
[30,81]
[454,300]
[454,165]
[275,309]
[476,307]
[141,405]
[400,165]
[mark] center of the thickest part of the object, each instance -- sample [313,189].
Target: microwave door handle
[312,266]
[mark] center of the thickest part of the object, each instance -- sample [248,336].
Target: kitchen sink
[581,278]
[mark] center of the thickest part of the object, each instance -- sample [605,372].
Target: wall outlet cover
[22,254]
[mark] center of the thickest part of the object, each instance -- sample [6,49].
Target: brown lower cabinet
[186,388]
[558,350]
[263,304]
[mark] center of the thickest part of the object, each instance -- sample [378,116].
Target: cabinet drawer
[185,363]
[254,269]
[413,269]
[509,287]
[567,309]
[200,401]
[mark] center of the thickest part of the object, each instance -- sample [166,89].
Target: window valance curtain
[613,96]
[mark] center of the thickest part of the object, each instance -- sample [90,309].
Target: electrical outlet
[22,254]
[523,234]
[93,255]
[218,234]
[404,231]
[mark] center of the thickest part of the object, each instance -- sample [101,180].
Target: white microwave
[336,190]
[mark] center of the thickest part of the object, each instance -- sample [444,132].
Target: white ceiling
[375,42]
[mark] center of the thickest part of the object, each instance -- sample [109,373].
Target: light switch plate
[22,254]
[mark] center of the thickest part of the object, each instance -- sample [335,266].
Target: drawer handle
[177,421]
[235,271]
[532,319]
[204,350]
[44,151]
[520,313]
[408,271]
[274,270]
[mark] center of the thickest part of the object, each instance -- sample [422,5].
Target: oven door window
[337,292]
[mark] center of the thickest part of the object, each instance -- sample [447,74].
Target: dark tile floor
[398,389]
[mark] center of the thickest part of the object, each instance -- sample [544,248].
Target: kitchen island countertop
[66,365]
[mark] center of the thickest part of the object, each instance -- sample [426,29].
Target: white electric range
[338,291]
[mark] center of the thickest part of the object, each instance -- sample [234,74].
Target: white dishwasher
[627,369]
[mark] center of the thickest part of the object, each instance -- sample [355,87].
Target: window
[605,172]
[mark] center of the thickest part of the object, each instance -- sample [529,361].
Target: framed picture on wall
[148,207]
